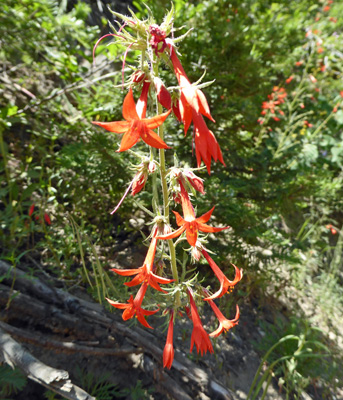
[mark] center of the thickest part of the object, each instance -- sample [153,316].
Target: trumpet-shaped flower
[168,352]
[199,336]
[190,223]
[144,273]
[134,307]
[225,283]
[193,105]
[134,127]
[224,323]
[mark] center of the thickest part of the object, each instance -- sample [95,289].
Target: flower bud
[163,95]
[157,41]
[195,181]
[137,76]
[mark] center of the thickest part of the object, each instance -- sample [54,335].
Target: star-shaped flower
[135,128]
[190,223]
[144,273]
[134,307]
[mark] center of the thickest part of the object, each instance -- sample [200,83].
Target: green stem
[163,174]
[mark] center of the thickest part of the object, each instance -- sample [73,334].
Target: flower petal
[205,217]
[116,126]
[179,220]
[129,107]
[129,139]
[207,228]
[173,234]
[155,122]
[126,272]
[152,139]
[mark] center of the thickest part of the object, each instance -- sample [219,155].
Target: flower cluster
[270,107]
[179,184]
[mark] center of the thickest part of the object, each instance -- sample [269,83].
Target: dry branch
[60,311]
[54,379]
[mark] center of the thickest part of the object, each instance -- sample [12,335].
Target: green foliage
[293,351]
[99,387]
[11,381]
[51,157]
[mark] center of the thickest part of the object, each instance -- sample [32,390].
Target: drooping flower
[190,223]
[225,283]
[135,127]
[145,273]
[199,336]
[133,308]
[168,352]
[224,323]
[206,145]
[138,182]
[193,105]
[185,175]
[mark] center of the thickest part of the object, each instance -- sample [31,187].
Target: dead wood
[57,380]
[60,312]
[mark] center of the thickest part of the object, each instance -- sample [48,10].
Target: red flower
[143,100]
[163,95]
[225,284]
[32,208]
[168,352]
[195,181]
[193,105]
[135,127]
[134,307]
[224,323]
[289,80]
[189,223]
[144,273]
[47,219]
[199,336]
[157,40]
[206,145]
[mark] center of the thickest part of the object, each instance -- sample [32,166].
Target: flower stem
[163,173]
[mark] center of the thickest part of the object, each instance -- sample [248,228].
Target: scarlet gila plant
[185,101]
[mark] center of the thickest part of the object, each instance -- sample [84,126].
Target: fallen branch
[61,312]
[54,379]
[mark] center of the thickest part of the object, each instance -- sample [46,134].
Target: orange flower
[134,307]
[144,273]
[193,105]
[206,145]
[225,284]
[199,336]
[289,80]
[168,352]
[135,127]
[189,223]
[224,323]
